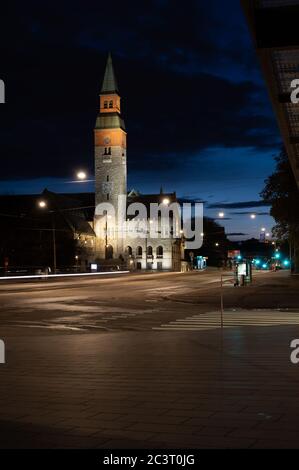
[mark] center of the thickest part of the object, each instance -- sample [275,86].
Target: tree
[282,193]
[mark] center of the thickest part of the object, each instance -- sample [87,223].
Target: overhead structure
[274,26]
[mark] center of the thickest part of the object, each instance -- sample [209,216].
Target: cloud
[184,88]
[237,234]
[248,213]
[238,205]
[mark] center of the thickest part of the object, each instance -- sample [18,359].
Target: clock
[107,140]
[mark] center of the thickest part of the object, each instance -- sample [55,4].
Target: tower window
[105,104]
[107,197]
[111,104]
[109,151]
[107,177]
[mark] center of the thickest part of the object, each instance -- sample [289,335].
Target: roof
[109,82]
[148,199]
[75,209]
[110,121]
[71,210]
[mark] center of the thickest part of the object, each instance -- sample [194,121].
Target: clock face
[106,140]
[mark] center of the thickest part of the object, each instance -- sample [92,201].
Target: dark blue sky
[196,108]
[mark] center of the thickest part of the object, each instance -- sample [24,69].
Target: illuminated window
[111,104]
[139,251]
[129,250]
[160,252]
[106,104]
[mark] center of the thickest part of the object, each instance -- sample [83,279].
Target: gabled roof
[71,210]
[109,82]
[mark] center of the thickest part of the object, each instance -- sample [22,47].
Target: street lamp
[252,216]
[263,229]
[221,215]
[165,201]
[217,244]
[81,175]
[42,205]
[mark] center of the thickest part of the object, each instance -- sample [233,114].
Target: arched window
[149,251]
[111,104]
[160,252]
[109,252]
[129,250]
[139,251]
[105,104]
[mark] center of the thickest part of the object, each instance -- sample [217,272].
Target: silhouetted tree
[282,193]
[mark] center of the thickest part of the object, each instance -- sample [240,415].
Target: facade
[114,242]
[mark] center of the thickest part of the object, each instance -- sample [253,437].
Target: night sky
[196,108]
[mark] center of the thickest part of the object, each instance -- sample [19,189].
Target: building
[114,242]
[274,27]
[67,232]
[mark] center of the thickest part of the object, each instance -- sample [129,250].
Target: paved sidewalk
[154,389]
[69,382]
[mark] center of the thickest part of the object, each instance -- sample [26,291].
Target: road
[101,304]
[141,361]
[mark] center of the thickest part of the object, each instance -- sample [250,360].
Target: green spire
[109,82]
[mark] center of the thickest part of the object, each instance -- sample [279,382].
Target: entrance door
[109,252]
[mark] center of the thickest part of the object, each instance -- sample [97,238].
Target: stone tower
[110,164]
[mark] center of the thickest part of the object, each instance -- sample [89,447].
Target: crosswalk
[231,319]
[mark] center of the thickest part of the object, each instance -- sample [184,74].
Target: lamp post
[42,204]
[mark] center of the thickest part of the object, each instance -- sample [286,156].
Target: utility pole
[54,243]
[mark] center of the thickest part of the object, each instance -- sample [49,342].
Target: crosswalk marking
[209,321]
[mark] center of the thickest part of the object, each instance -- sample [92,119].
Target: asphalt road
[100,304]
[125,302]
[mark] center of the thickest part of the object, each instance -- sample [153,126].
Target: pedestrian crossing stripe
[209,321]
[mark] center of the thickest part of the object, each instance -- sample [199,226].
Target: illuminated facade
[112,242]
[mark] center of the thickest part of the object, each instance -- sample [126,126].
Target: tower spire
[109,82]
